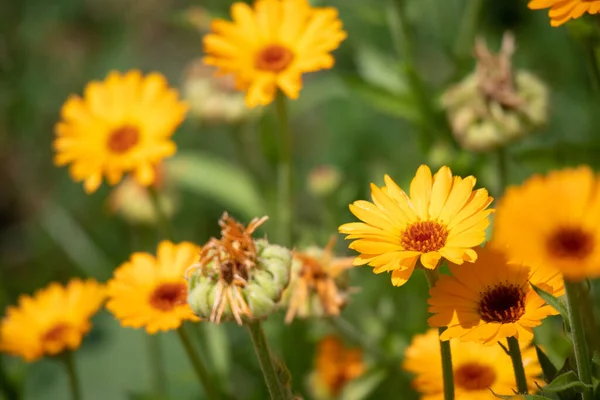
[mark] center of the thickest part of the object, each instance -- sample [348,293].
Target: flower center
[274,58]
[571,243]
[504,303]
[123,139]
[474,376]
[168,296]
[56,333]
[424,236]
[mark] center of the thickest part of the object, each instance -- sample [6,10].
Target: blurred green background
[361,118]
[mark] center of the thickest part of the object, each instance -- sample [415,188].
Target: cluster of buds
[318,287]
[495,105]
[238,277]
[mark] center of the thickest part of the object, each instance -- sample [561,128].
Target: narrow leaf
[547,367]
[554,302]
[566,381]
[362,387]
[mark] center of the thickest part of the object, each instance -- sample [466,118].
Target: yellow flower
[272,45]
[315,288]
[552,221]
[123,124]
[443,217]
[151,292]
[53,320]
[491,299]
[337,365]
[563,10]
[477,368]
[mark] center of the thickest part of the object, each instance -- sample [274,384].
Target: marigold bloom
[477,368]
[491,299]
[552,221]
[151,292]
[52,321]
[443,217]
[123,124]
[270,46]
[337,365]
[563,10]
[315,289]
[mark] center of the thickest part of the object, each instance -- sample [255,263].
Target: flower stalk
[584,368]
[514,351]
[284,183]
[159,378]
[161,216]
[277,389]
[433,276]
[74,387]
[201,372]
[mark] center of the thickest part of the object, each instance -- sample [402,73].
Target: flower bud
[324,180]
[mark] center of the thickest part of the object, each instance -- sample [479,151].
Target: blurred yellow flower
[443,217]
[491,299]
[123,124]
[563,10]
[53,320]
[336,366]
[151,292]
[271,45]
[552,221]
[477,368]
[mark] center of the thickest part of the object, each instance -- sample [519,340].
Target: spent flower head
[238,277]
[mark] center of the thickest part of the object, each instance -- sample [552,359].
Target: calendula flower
[151,292]
[269,46]
[477,368]
[121,125]
[54,320]
[491,299]
[551,221]
[335,367]
[316,287]
[562,11]
[238,277]
[442,217]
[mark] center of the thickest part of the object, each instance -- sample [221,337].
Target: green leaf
[219,180]
[568,380]
[520,396]
[547,367]
[554,302]
[398,105]
[362,387]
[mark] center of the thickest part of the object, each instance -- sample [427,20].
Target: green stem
[582,356]
[277,389]
[514,351]
[447,372]
[72,373]
[468,29]
[161,216]
[284,189]
[159,379]
[205,379]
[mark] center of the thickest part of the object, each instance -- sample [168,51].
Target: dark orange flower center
[503,303]
[123,139]
[474,376]
[168,296]
[56,333]
[274,58]
[571,243]
[424,236]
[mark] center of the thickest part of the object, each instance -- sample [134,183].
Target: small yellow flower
[151,292]
[552,221]
[314,288]
[443,217]
[477,368]
[271,45]
[123,124]
[491,299]
[55,319]
[337,365]
[563,10]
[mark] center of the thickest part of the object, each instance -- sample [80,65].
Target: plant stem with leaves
[514,351]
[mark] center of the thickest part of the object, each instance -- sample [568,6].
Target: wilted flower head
[236,275]
[317,287]
[495,105]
